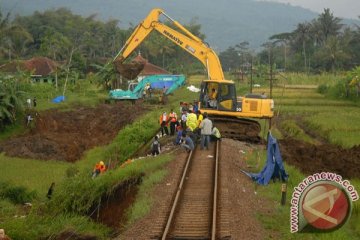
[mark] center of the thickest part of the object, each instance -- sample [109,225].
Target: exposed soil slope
[66,135]
[312,159]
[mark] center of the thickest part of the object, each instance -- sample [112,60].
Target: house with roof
[149,68]
[42,69]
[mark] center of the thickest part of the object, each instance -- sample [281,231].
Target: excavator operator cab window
[227,97]
[209,95]
[218,96]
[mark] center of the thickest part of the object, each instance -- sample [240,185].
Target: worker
[29,118]
[28,101]
[164,120]
[173,122]
[163,96]
[146,90]
[150,90]
[191,121]
[206,130]
[51,190]
[183,119]
[179,130]
[215,134]
[184,107]
[34,102]
[99,168]
[212,98]
[195,106]
[200,117]
[187,142]
[155,146]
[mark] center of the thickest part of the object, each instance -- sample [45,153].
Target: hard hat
[102,163]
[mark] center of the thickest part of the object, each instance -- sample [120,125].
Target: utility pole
[271,77]
[251,74]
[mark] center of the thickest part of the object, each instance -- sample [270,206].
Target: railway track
[194,211]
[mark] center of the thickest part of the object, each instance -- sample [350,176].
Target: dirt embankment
[312,159]
[66,135]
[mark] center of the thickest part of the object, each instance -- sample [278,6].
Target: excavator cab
[218,96]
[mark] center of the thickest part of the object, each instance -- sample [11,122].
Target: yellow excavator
[217,96]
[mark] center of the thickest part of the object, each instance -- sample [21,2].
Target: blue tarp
[171,83]
[58,99]
[274,168]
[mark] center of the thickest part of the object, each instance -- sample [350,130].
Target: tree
[285,39]
[229,59]
[331,55]
[54,45]
[301,37]
[11,100]
[13,37]
[326,25]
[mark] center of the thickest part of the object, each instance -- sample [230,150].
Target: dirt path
[66,135]
[243,203]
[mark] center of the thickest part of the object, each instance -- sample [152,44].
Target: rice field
[335,120]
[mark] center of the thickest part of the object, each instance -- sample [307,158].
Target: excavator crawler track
[238,128]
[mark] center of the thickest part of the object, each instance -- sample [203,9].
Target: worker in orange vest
[173,122]
[164,120]
[99,168]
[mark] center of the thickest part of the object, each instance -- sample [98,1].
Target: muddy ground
[65,136]
[312,159]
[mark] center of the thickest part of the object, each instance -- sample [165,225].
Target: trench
[112,210]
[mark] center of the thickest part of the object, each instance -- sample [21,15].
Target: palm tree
[326,25]
[11,101]
[302,36]
[5,106]
[11,35]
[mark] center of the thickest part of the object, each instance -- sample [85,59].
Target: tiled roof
[38,66]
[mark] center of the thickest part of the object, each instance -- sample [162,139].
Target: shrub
[16,194]
[322,88]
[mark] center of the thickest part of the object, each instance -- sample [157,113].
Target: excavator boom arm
[187,41]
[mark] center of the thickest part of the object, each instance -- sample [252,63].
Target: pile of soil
[67,135]
[312,159]
[128,70]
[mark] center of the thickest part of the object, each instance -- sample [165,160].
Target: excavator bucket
[128,70]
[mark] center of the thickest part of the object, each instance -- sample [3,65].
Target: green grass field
[334,120]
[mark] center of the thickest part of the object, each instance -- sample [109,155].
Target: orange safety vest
[173,117]
[102,168]
[166,119]
[97,167]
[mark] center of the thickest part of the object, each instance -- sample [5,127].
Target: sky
[340,8]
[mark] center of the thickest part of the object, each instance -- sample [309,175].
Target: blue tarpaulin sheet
[274,168]
[58,99]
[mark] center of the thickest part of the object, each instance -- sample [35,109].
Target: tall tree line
[323,44]
[59,34]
